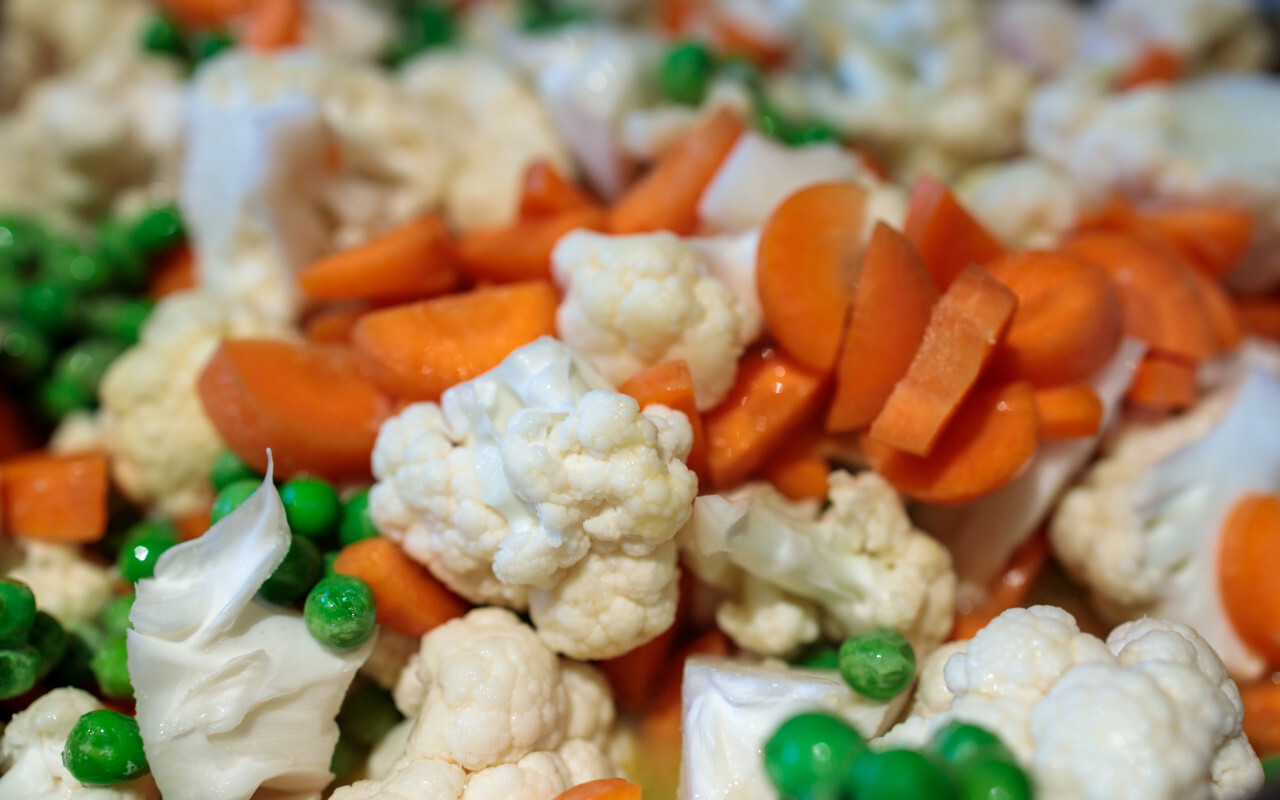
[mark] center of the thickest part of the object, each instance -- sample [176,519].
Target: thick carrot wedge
[410,262]
[274,24]
[1211,237]
[1260,315]
[547,193]
[206,13]
[667,197]
[193,525]
[1009,590]
[671,384]
[891,309]
[1068,323]
[1163,383]
[314,405]
[992,438]
[1069,412]
[332,325]
[522,251]
[1248,550]
[1262,715]
[945,235]
[1155,65]
[410,600]
[805,269]
[770,399]
[798,473]
[963,331]
[420,349]
[55,498]
[1225,323]
[603,789]
[175,271]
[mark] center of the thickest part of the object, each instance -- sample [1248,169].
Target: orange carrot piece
[521,251]
[410,600]
[1158,295]
[662,722]
[633,675]
[771,398]
[274,24]
[891,309]
[963,331]
[945,235]
[805,269]
[991,439]
[314,405]
[1155,65]
[1260,315]
[547,193]
[407,263]
[1211,237]
[1225,323]
[666,198]
[602,789]
[55,498]
[671,384]
[420,349]
[206,13]
[732,39]
[1248,550]
[798,473]
[332,325]
[1163,382]
[1262,715]
[1069,412]
[1068,323]
[1009,590]
[193,525]
[174,272]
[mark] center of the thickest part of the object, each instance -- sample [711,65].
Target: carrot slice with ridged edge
[546,193]
[1248,551]
[671,384]
[945,234]
[410,262]
[1069,412]
[55,498]
[409,599]
[521,251]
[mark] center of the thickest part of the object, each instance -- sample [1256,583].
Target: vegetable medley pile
[570,399]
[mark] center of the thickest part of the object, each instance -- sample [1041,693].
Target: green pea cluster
[423,25]
[545,15]
[368,713]
[163,36]
[104,748]
[31,641]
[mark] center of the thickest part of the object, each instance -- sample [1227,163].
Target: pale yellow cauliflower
[67,586]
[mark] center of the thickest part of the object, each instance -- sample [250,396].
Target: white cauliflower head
[635,301]
[67,586]
[536,486]
[1149,714]
[1026,202]
[792,572]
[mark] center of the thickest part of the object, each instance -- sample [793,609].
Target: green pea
[74,669]
[543,15]
[163,37]
[228,469]
[70,266]
[230,498]
[340,611]
[296,574]
[685,72]
[357,523]
[810,756]
[60,397]
[118,255]
[1271,769]
[119,318]
[157,230]
[49,307]
[367,714]
[49,640]
[994,780]
[898,775]
[12,285]
[19,671]
[311,506]
[425,26]
[821,657]
[346,759]
[24,350]
[960,742]
[329,559]
[207,44]
[105,748]
[770,122]
[879,664]
[84,363]
[142,548]
[115,615]
[110,667]
[17,612]
[812,132]
[21,240]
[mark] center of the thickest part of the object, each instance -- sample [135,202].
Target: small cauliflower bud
[635,301]
[69,587]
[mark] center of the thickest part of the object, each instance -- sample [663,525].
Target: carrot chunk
[407,263]
[1211,237]
[1248,550]
[1009,590]
[521,251]
[409,599]
[1262,715]
[175,271]
[945,235]
[671,384]
[332,325]
[275,24]
[1155,65]
[55,498]
[1069,412]
[603,789]
[1163,383]
[1260,315]
[547,193]
[798,473]
[1224,321]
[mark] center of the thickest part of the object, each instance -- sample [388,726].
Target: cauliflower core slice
[536,486]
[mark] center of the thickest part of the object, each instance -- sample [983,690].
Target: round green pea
[110,667]
[771,122]
[812,132]
[115,615]
[340,612]
[142,548]
[810,756]
[367,714]
[118,318]
[163,37]
[19,671]
[898,775]
[230,498]
[1271,769]
[49,307]
[330,558]
[430,25]
[20,240]
[118,255]
[70,266]
[228,469]
[357,524]
[84,363]
[12,285]
[105,748]
[994,780]
[311,506]
[960,743]
[295,576]
[157,230]
[346,759]
[879,664]
[59,397]
[49,640]
[207,44]
[17,612]
[821,657]
[543,15]
[24,351]
[686,71]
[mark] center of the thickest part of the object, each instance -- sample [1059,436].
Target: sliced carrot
[1069,412]
[771,398]
[1068,323]
[193,525]
[410,262]
[547,193]
[332,325]
[731,39]
[603,789]
[666,198]
[671,384]
[55,498]
[662,722]
[1117,214]
[1225,323]
[963,331]
[798,472]
[891,309]
[420,349]
[1260,315]
[992,438]
[1212,237]
[1248,550]
[206,13]
[945,235]
[1163,383]
[314,405]
[805,269]
[676,17]
[1155,65]
[1158,293]
[274,24]
[409,599]
[521,251]
[1262,715]
[632,676]
[1009,590]
[174,272]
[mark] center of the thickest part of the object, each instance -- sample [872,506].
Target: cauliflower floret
[792,572]
[1169,714]
[635,301]
[153,424]
[536,486]
[68,587]
[1208,34]
[354,28]
[1026,203]
[1141,529]
[31,753]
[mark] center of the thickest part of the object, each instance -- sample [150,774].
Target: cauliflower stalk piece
[793,573]
[493,712]
[635,301]
[1141,530]
[234,697]
[31,753]
[66,585]
[1149,714]
[536,486]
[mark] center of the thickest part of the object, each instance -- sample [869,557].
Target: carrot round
[406,263]
[521,251]
[175,271]
[666,198]
[314,405]
[420,349]
[1260,315]
[1069,412]
[1068,323]
[1156,64]
[1248,551]
[409,599]
[332,325]
[274,24]
[671,384]
[891,309]
[943,232]
[1009,590]
[1262,716]
[546,193]
[55,498]
[963,331]
[992,438]
[1213,238]
[1163,383]
[603,789]
[805,268]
